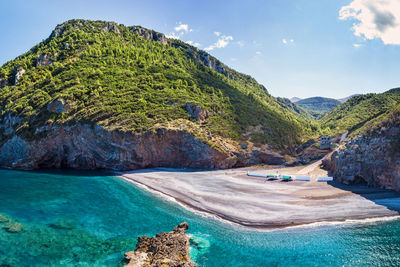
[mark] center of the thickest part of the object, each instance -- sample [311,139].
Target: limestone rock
[43,60]
[84,146]
[149,34]
[111,27]
[57,106]
[13,227]
[373,159]
[3,82]
[165,249]
[18,75]
[196,112]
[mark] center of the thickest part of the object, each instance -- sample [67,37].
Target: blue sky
[294,47]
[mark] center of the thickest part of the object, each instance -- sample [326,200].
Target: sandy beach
[254,202]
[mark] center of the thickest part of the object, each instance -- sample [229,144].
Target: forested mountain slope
[133,81]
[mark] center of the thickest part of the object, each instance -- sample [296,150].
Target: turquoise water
[84,219]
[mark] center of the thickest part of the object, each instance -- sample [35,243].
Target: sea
[70,218]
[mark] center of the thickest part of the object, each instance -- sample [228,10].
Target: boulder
[57,106]
[165,249]
[197,113]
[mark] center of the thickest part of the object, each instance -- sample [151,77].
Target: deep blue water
[84,219]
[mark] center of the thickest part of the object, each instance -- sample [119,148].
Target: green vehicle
[272,177]
[286,178]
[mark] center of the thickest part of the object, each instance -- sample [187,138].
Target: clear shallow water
[83,219]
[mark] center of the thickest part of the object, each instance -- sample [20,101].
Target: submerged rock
[165,249]
[3,219]
[13,227]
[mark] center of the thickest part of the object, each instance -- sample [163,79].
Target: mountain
[342,100]
[318,106]
[355,113]
[294,99]
[371,153]
[98,94]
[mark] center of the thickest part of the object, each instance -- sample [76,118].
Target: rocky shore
[165,249]
[84,146]
[372,159]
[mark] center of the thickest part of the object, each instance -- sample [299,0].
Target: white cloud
[172,35]
[284,41]
[357,45]
[291,40]
[182,27]
[375,19]
[222,42]
[193,43]
[217,33]
[258,52]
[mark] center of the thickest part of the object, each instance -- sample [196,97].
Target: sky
[299,48]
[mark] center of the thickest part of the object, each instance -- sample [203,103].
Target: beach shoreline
[232,196]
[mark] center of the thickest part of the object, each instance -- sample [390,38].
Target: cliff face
[82,146]
[373,159]
[165,249]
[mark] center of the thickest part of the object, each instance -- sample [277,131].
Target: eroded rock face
[149,34]
[18,75]
[84,146]
[197,113]
[165,249]
[111,27]
[3,82]
[57,106]
[43,60]
[373,159]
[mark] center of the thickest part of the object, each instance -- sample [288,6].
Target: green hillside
[318,106]
[361,112]
[135,79]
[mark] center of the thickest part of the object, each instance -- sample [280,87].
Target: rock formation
[165,249]
[83,146]
[3,82]
[18,75]
[149,34]
[196,112]
[373,159]
[57,106]
[43,60]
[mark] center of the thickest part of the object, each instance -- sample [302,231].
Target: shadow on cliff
[383,197]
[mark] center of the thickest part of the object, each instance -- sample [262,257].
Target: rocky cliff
[84,146]
[371,158]
[165,249]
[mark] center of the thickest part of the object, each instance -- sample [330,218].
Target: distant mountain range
[319,106]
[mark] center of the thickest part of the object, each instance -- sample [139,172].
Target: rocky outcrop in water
[165,249]
[373,159]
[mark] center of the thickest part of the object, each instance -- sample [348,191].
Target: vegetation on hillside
[318,106]
[114,77]
[361,112]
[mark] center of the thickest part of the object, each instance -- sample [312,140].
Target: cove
[91,219]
